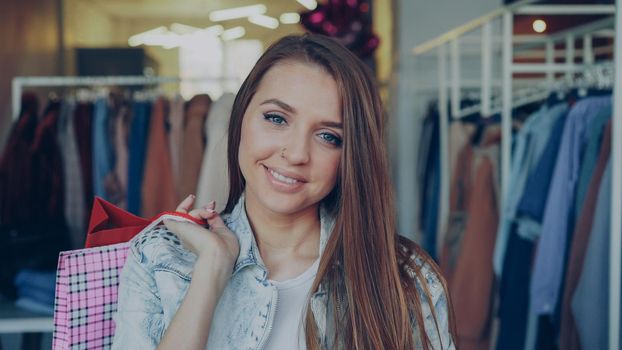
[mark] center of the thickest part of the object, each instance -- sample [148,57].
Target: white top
[288,325]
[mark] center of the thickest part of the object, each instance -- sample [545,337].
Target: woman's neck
[284,238]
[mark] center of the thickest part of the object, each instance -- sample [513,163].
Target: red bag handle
[110,224]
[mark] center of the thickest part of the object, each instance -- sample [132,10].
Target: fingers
[171,225]
[186,232]
[216,223]
[186,204]
[205,212]
[208,213]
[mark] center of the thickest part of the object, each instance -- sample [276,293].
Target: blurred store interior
[501,145]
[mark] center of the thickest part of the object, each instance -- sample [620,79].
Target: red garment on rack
[15,168]
[47,185]
[158,188]
[83,128]
[193,145]
[472,281]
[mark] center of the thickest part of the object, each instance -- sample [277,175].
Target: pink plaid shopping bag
[87,280]
[86,297]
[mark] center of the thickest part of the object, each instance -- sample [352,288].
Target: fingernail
[210,210]
[212,204]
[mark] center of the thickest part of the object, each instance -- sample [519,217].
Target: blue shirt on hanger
[589,157]
[103,154]
[137,150]
[530,142]
[550,256]
[531,206]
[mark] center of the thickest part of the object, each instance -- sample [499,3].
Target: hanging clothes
[472,283]
[15,173]
[429,180]
[590,156]
[460,135]
[514,292]
[158,187]
[460,196]
[590,302]
[103,148]
[47,180]
[114,190]
[193,144]
[115,183]
[47,235]
[175,137]
[550,256]
[16,166]
[569,337]
[137,150]
[83,129]
[530,210]
[513,265]
[529,144]
[214,177]
[74,209]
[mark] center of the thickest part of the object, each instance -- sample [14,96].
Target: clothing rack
[451,41]
[19,83]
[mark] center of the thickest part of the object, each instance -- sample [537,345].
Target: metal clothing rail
[452,38]
[19,83]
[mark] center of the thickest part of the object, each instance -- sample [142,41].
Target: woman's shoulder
[161,246]
[431,291]
[158,246]
[423,271]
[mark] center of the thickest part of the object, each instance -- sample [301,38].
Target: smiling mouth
[282,178]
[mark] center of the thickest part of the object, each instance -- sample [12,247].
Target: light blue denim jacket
[158,271]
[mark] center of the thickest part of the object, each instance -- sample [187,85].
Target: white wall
[416,22]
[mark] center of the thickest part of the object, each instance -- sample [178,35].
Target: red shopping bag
[110,224]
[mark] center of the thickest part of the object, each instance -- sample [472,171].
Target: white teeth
[282,178]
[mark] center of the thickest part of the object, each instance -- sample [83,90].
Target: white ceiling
[191,9]
[147,14]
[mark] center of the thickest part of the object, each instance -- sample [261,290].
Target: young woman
[306,253]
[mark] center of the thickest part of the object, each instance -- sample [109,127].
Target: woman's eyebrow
[281,104]
[292,110]
[332,124]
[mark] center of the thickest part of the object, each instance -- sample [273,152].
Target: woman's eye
[330,138]
[274,119]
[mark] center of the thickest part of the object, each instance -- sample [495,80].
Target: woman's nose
[296,151]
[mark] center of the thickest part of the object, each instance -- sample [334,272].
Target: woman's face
[290,145]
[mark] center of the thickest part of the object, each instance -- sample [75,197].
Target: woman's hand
[217,248]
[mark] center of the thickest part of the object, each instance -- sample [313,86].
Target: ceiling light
[167,40]
[233,33]
[183,29]
[309,4]
[539,26]
[139,39]
[237,12]
[264,21]
[215,29]
[290,18]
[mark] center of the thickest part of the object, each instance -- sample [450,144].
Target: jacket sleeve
[443,341]
[139,318]
[441,338]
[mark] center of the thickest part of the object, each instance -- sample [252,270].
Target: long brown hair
[376,272]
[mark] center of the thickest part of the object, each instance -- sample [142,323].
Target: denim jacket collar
[249,251]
